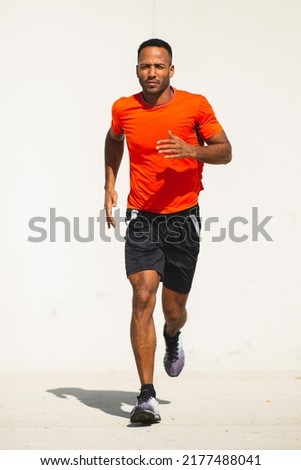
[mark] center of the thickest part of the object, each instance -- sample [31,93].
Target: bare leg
[143,335]
[174,309]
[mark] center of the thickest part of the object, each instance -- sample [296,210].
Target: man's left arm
[217,150]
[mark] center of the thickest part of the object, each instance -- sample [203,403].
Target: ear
[171,71]
[137,70]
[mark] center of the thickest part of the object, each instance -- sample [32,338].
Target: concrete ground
[228,410]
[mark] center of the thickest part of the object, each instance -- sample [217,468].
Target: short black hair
[155,42]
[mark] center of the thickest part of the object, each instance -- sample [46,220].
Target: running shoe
[174,358]
[146,410]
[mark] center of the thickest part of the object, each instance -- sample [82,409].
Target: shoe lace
[172,352]
[143,397]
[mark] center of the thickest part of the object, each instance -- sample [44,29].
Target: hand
[175,147]
[111,197]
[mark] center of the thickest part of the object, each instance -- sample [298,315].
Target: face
[154,71]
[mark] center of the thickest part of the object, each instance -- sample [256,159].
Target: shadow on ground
[108,401]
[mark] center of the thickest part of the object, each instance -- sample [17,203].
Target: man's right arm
[114,146]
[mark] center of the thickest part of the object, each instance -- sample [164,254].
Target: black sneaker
[146,409]
[174,358]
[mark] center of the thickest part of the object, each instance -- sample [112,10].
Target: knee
[174,305]
[144,285]
[143,301]
[174,312]
[141,297]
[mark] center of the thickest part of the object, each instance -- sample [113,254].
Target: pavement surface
[227,410]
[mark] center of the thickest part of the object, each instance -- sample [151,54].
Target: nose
[152,71]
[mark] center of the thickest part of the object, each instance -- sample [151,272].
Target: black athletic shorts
[166,243]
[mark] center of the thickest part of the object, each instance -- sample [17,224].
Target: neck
[160,98]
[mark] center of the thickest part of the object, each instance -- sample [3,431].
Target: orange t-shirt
[158,184]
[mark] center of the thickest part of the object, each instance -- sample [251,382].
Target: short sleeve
[207,123]
[116,122]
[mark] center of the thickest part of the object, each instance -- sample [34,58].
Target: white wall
[66,305]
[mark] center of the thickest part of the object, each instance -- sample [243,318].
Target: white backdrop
[66,305]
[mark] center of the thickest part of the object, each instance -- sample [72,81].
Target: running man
[170,134]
